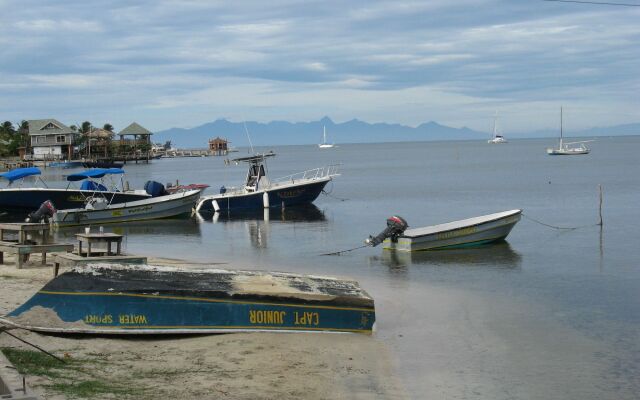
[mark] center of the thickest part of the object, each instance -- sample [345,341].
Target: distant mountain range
[354,131]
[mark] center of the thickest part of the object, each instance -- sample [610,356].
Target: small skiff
[464,233]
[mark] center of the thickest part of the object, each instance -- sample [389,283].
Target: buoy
[265,200]
[216,206]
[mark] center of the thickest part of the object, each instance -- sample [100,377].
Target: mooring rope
[337,253]
[332,196]
[566,228]
[5,329]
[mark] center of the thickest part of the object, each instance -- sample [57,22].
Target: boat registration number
[457,233]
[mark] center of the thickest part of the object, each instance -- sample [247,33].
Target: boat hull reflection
[496,255]
[300,213]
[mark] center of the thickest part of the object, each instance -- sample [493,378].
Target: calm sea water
[547,314]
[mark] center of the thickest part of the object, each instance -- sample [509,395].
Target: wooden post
[600,208]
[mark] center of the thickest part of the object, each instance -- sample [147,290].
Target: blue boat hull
[140,300]
[30,198]
[278,198]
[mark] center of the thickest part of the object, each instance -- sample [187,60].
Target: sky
[182,63]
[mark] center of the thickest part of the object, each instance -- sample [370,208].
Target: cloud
[171,60]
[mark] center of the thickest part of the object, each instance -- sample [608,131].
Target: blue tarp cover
[20,173]
[93,173]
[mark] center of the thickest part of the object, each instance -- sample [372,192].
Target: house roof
[134,129]
[48,127]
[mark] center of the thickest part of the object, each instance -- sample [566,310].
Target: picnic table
[22,231]
[27,238]
[91,239]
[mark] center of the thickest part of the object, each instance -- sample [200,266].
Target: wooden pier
[193,153]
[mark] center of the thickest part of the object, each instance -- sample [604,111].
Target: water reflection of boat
[258,222]
[160,227]
[301,213]
[496,255]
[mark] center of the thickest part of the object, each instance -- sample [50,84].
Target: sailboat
[568,148]
[324,144]
[496,139]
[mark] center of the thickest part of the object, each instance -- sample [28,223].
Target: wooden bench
[72,260]
[20,250]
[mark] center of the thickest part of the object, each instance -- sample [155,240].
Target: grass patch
[74,378]
[29,362]
[94,388]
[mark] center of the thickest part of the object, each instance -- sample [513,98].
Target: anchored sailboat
[324,144]
[570,148]
[496,138]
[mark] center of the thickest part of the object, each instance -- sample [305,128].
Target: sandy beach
[229,366]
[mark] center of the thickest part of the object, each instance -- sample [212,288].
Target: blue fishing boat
[116,299]
[260,192]
[18,196]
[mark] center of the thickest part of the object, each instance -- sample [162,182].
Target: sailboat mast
[495,122]
[561,127]
[324,134]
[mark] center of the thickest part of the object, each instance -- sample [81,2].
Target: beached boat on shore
[116,299]
[457,234]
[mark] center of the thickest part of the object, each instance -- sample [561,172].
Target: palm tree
[108,127]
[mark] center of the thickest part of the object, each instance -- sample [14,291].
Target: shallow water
[547,314]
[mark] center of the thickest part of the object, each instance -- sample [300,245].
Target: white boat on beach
[457,234]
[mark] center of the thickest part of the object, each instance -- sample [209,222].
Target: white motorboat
[98,210]
[457,234]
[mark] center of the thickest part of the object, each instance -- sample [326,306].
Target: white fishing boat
[457,234]
[324,144]
[99,211]
[568,148]
[496,138]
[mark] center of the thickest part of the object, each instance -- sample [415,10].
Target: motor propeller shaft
[395,227]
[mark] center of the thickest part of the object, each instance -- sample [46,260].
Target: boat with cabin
[125,300]
[469,232]
[18,196]
[260,192]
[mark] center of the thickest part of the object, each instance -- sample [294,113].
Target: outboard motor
[42,214]
[395,227]
[155,189]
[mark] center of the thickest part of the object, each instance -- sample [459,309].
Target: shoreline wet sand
[232,366]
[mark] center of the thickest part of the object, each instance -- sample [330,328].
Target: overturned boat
[117,299]
[457,234]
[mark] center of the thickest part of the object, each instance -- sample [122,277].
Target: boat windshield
[20,173]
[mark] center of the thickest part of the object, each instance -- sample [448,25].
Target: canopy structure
[20,173]
[254,158]
[94,173]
